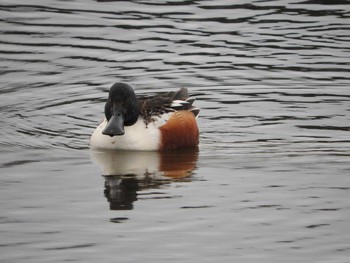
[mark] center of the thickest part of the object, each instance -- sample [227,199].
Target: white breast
[136,137]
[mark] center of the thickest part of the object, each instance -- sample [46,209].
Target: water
[270,181]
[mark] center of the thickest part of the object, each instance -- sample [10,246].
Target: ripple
[72,247]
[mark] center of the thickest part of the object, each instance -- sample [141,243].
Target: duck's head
[121,109]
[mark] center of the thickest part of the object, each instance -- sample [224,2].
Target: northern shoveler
[164,121]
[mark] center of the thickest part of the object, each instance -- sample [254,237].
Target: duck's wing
[160,103]
[181,94]
[182,101]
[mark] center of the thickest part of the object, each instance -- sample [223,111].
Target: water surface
[270,179]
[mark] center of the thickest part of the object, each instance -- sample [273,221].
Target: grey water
[270,181]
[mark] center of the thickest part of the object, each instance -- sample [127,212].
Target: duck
[158,122]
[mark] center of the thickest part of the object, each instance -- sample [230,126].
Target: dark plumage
[156,105]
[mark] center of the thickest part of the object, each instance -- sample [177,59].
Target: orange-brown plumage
[180,131]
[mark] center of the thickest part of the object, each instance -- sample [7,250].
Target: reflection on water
[128,172]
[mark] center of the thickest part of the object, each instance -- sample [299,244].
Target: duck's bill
[115,126]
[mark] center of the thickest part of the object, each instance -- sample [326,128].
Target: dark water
[270,181]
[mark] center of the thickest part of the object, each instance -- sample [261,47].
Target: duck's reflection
[126,173]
